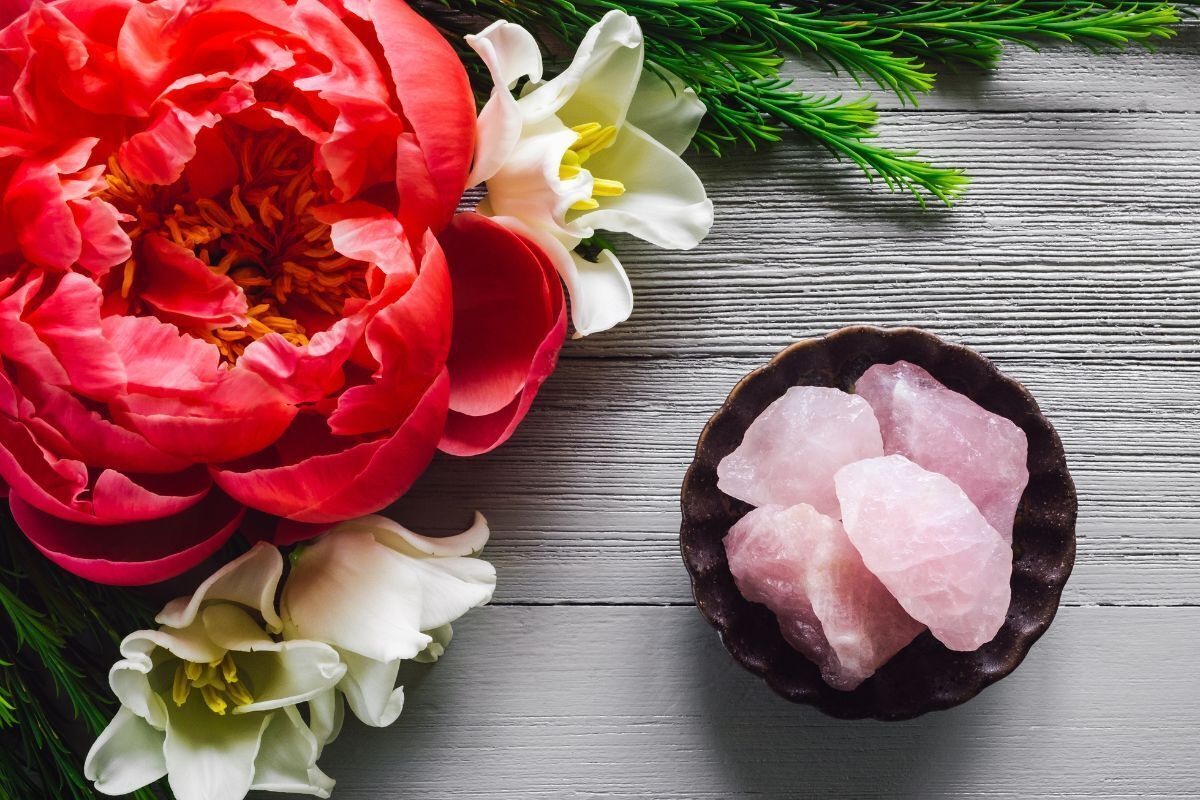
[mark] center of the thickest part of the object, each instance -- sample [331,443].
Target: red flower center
[261,233]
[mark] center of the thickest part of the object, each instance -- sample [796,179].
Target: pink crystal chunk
[790,454]
[949,433]
[929,545]
[801,565]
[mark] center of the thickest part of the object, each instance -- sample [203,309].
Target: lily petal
[212,757]
[599,83]
[286,673]
[127,755]
[510,53]
[334,584]
[666,109]
[250,580]
[371,691]
[664,202]
[326,714]
[287,758]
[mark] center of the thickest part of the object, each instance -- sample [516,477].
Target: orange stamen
[261,234]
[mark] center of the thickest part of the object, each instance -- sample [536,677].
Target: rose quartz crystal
[949,433]
[801,565]
[790,453]
[929,545]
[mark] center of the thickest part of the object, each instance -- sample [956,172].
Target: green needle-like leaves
[58,637]
[730,52]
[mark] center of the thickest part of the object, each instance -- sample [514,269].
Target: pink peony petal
[184,290]
[134,554]
[348,483]
[105,244]
[52,484]
[506,299]
[509,324]
[19,342]
[159,359]
[440,112]
[94,438]
[37,209]
[241,415]
[117,497]
[158,154]
[366,232]
[11,9]
[361,149]
[67,320]
[410,340]
[62,486]
[305,374]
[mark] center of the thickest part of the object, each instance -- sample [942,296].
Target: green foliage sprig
[730,51]
[58,638]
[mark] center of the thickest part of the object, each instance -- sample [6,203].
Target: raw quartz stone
[951,434]
[920,534]
[801,565]
[791,452]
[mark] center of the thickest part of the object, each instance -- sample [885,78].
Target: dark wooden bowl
[925,676]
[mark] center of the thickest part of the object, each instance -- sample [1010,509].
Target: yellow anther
[208,677]
[239,208]
[607,188]
[193,670]
[590,138]
[229,668]
[239,694]
[592,143]
[173,226]
[127,278]
[213,699]
[261,233]
[181,687]
[586,128]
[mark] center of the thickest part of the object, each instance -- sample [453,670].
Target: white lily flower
[381,594]
[595,148]
[210,698]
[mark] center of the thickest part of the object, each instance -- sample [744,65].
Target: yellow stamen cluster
[262,234]
[591,138]
[218,683]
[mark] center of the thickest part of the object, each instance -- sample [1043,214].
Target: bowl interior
[924,676]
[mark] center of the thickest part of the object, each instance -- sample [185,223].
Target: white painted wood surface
[1074,262]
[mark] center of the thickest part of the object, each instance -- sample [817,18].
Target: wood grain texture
[584,501]
[1074,262]
[616,704]
[1078,239]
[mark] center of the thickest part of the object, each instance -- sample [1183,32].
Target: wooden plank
[584,500]
[1060,77]
[619,703]
[1078,239]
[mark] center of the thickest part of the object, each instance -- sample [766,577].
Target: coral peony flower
[210,699]
[595,148]
[381,594]
[224,228]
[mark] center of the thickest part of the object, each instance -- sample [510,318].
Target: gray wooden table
[1074,263]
